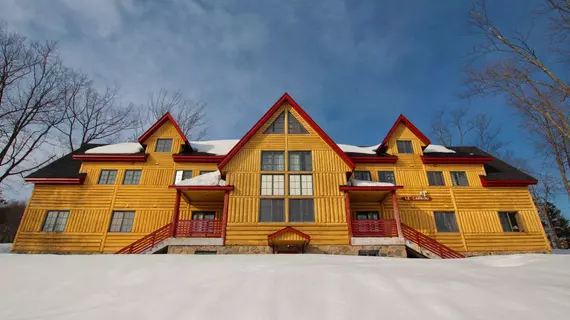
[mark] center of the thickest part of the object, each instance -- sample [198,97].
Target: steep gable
[403,129]
[165,128]
[285,103]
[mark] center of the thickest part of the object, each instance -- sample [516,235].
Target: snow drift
[312,287]
[206,179]
[366,183]
[436,148]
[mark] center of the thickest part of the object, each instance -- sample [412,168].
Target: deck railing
[430,244]
[148,241]
[374,228]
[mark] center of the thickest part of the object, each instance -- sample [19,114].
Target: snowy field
[283,287]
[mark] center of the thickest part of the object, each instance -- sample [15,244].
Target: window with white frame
[300,161]
[445,221]
[300,185]
[132,177]
[301,210]
[435,178]
[459,178]
[182,175]
[107,177]
[272,184]
[362,175]
[271,210]
[404,146]
[387,176]
[122,221]
[55,221]
[510,221]
[163,145]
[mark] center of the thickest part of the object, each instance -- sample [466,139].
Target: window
[387,176]
[107,177]
[182,175]
[205,252]
[459,178]
[132,177]
[278,125]
[445,222]
[367,215]
[510,221]
[369,253]
[163,145]
[203,215]
[206,171]
[435,178]
[404,146]
[301,210]
[272,161]
[300,161]
[272,185]
[295,127]
[271,210]
[55,221]
[362,175]
[300,185]
[122,221]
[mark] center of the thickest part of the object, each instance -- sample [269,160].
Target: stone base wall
[397,251]
[500,253]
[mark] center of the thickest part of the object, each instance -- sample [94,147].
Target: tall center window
[297,173]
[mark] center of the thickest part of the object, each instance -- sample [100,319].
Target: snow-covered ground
[5,247]
[283,287]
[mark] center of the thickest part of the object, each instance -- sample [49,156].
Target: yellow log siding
[329,172]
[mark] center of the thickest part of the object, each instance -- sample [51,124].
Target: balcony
[374,228]
[199,229]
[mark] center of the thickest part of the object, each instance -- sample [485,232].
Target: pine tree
[560,224]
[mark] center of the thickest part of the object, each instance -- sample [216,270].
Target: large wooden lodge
[285,187]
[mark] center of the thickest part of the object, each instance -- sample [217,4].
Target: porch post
[348,215]
[176,213]
[225,216]
[397,214]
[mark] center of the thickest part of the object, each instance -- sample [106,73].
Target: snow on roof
[119,148]
[435,148]
[322,286]
[356,149]
[217,147]
[366,183]
[206,179]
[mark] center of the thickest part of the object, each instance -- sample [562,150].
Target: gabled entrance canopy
[288,240]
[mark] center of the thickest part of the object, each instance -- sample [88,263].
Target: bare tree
[32,82]
[92,115]
[528,82]
[190,115]
[542,194]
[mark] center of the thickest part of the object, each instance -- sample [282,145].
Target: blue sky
[353,65]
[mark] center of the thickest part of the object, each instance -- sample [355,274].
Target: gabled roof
[403,120]
[286,98]
[166,117]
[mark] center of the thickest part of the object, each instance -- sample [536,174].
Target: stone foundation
[397,251]
[500,253]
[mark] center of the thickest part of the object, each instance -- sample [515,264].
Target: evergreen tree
[560,224]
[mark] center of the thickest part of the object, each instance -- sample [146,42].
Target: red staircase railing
[184,229]
[199,228]
[148,241]
[430,244]
[374,228]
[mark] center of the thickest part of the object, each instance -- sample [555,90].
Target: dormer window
[163,145]
[404,146]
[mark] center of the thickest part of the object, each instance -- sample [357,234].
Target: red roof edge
[205,159]
[456,160]
[289,229]
[166,117]
[374,159]
[77,180]
[202,188]
[111,157]
[369,188]
[402,119]
[286,98]
[506,183]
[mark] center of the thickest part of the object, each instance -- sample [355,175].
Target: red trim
[111,157]
[285,98]
[205,188]
[348,213]
[176,214]
[369,188]
[374,159]
[225,216]
[289,229]
[506,183]
[456,160]
[403,120]
[78,180]
[166,117]
[204,159]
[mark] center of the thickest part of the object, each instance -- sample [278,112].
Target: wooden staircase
[427,246]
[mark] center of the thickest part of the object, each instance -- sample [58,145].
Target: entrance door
[367,222]
[202,221]
[367,215]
